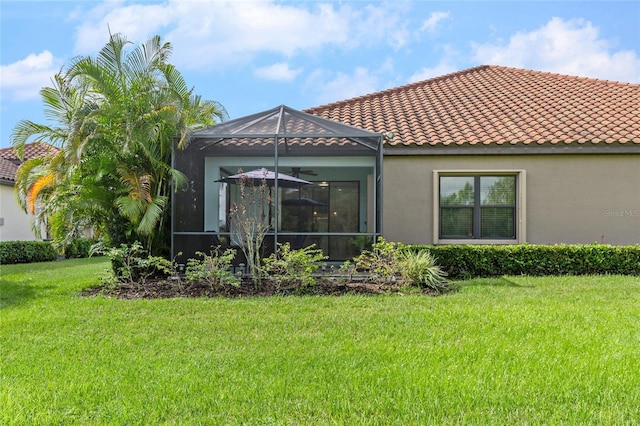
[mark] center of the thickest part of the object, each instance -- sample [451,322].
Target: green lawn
[517,350]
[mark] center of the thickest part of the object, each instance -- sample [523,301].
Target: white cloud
[278,72]
[430,72]
[448,63]
[339,86]
[434,19]
[137,22]
[382,23]
[235,33]
[571,47]
[22,80]
[215,34]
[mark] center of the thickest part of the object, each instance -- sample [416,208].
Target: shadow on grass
[54,264]
[14,293]
[495,282]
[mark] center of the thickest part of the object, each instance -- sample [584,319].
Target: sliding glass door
[328,208]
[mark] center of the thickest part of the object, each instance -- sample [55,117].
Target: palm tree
[37,178]
[119,115]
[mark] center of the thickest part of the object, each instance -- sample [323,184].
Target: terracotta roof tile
[9,161]
[497,105]
[8,170]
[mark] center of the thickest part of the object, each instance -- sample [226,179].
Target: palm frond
[152,215]
[138,185]
[180,180]
[27,174]
[130,208]
[26,129]
[111,55]
[176,82]
[35,189]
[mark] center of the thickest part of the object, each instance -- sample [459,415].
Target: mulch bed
[174,288]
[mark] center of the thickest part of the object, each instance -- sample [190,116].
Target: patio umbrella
[257,176]
[302,201]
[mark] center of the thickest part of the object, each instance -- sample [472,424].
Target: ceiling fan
[297,171]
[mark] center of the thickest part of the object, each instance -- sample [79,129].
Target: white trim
[521,205]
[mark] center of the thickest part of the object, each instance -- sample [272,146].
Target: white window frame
[521,204]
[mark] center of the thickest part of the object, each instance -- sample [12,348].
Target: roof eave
[512,149]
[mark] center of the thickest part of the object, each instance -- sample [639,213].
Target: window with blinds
[477,207]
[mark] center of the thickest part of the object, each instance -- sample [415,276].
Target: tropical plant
[116,117]
[293,268]
[418,268]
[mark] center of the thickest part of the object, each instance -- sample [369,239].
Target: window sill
[475,242]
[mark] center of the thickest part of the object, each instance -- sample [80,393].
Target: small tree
[250,223]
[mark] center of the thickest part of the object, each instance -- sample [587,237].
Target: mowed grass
[515,350]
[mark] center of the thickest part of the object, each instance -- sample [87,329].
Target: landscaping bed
[173,288]
[387,269]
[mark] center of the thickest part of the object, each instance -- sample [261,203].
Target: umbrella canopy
[302,201]
[259,175]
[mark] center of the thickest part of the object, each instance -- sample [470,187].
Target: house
[14,222]
[502,155]
[489,155]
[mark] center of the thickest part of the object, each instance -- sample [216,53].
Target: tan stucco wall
[16,226]
[569,198]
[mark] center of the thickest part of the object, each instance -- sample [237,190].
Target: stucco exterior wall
[569,198]
[14,223]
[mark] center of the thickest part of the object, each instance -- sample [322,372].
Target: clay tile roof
[9,160]
[497,105]
[8,170]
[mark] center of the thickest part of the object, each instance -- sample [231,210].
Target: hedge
[26,252]
[79,247]
[469,261]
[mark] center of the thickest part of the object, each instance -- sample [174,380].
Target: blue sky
[252,56]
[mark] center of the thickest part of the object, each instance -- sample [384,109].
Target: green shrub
[132,264]
[293,269]
[79,247]
[392,262]
[418,268]
[469,261]
[213,269]
[383,263]
[26,252]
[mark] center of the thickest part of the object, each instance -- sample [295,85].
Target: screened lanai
[337,206]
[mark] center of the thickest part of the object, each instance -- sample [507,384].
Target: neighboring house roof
[7,170]
[495,105]
[9,161]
